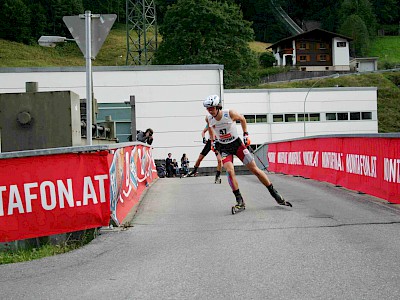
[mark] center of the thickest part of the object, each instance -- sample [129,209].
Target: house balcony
[286,51]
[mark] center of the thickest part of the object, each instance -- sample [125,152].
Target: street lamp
[86,48]
[305,99]
[52,41]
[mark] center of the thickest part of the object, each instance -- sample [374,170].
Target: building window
[250,118]
[277,118]
[303,46]
[303,58]
[355,116]
[290,118]
[314,117]
[261,119]
[322,57]
[322,46]
[331,116]
[309,117]
[341,44]
[366,115]
[300,117]
[343,116]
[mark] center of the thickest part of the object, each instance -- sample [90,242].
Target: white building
[169,100]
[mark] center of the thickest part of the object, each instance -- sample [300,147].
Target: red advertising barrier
[58,193]
[368,165]
[45,195]
[132,169]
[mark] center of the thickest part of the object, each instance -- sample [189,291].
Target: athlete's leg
[248,160]
[219,168]
[230,173]
[196,165]
[203,153]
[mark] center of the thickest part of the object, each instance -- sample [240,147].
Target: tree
[208,32]
[355,27]
[363,9]
[386,11]
[15,20]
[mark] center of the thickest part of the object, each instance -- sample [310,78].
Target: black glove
[204,140]
[246,139]
[213,145]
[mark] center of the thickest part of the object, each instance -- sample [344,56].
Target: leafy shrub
[267,59]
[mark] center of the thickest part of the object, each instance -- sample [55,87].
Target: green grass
[386,48]
[8,257]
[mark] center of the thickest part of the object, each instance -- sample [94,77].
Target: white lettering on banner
[282,157]
[65,193]
[271,157]
[28,196]
[100,179]
[391,170]
[294,158]
[310,158]
[43,195]
[361,165]
[51,195]
[15,200]
[332,160]
[2,189]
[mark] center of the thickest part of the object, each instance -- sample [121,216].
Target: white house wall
[340,55]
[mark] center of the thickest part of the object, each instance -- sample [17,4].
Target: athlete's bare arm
[235,116]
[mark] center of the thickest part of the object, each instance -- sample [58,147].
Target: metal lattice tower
[141,31]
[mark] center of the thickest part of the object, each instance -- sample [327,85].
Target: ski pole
[252,152]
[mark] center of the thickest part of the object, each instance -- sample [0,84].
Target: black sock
[237,194]
[218,173]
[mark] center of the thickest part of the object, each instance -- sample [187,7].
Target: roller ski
[278,197]
[217,179]
[190,174]
[238,207]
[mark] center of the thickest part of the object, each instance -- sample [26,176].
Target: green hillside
[113,53]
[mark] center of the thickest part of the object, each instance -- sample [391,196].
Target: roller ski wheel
[190,174]
[238,208]
[283,202]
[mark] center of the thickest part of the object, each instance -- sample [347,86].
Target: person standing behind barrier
[185,163]
[169,166]
[222,123]
[203,153]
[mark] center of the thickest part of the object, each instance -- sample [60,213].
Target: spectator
[169,166]
[176,167]
[185,163]
[145,137]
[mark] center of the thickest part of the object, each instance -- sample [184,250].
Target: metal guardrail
[63,150]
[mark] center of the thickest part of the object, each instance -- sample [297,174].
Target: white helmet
[212,101]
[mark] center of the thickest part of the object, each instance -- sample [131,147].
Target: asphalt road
[186,244]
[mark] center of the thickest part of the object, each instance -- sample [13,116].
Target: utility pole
[141,35]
